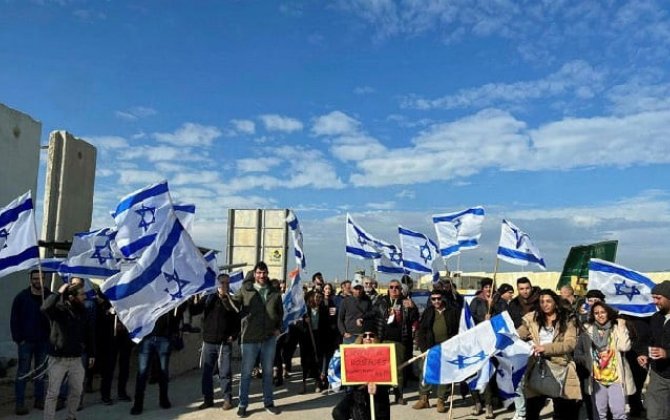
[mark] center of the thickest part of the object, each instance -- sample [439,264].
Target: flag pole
[495,272]
[372,402]
[346,275]
[451,402]
[39,259]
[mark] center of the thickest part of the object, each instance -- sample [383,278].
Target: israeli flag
[466,322]
[293,301]
[517,248]
[390,259]
[626,290]
[419,252]
[360,244]
[458,231]
[168,272]
[18,238]
[186,215]
[139,217]
[91,255]
[512,363]
[51,265]
[482,378]
[210,257]
[465,354]
[335,371]
[235,281]
[296,234]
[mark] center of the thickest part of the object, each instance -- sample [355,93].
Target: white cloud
[163,153]
[195,177]
[639,95]
[107,142]
[136,176]
[363,90]
[385,205]
[190,134]
[274,122]
[244,126]
[573,78]
[336,123]
[135,113]
[357,147]
[406,194]
[261,164]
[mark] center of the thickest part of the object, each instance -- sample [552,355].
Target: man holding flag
[262,312]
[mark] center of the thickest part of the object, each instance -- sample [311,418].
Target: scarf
[601,335]
[604,354]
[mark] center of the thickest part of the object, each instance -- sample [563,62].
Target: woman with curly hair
[600,349]
[553,332]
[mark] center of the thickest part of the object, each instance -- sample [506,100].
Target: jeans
[658,397]
[266,350]
[28,351]
[211,354]
[161,345]
[58,368]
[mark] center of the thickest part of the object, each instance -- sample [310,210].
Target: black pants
[563,409]
[120,349]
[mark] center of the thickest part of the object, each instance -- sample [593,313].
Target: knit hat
[595,293]
[504,288]
[369,325]
[662,289]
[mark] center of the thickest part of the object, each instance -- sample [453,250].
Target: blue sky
[553,114]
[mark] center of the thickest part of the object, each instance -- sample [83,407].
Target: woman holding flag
[553,332]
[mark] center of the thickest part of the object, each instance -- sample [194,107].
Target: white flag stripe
[359,243]
[626,290]
[419,252]
[458,231]
[516,247]
[296,235]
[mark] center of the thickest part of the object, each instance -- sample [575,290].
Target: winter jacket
[400,332]
[260,319]
[660,337]
[425,337]
[72,332]
[220,320]
[621,340]
[559,351]
[28,322]
[519,306]
[479,308]
[351,309]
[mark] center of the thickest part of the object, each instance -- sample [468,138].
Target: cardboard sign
[369,363]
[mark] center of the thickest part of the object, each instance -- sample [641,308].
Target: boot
[163,399]
[489,412]
[422,403]
[441,406]
[477,409]
[138,405]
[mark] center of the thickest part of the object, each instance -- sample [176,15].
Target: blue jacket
[28,323]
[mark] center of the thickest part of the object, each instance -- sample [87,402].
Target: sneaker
[21,410]
[242,412]
[206,404]
[271,409]
[227,405]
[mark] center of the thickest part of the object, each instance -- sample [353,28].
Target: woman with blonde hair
[600,349]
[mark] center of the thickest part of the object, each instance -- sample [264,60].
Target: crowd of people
[601,359]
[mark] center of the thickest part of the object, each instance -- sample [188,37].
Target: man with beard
[352,312]
[71,335]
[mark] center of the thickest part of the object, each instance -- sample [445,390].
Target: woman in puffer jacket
[600,349]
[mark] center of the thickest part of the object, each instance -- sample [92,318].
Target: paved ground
[185,397]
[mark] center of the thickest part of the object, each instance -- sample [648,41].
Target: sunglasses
[394,287]
[368,335]
[435,299]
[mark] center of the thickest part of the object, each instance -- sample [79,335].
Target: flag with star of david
[419,252]
[390,259]
[169,271]
[296,235]
[18,238]
[92,255]
[625,290]
[139,216]
[458,231]
[516,247]
[465,354]
[360,244]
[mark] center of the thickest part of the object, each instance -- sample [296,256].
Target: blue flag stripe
[416,267]
[139,244]
[476,211]
[433,364]
[15,260]
[632,275]
[11,215]
[406,232]
[638,309]
[360,252]
[126,204]
[186,208]
[293,224]
[519,255]
[445,252]
[87,271]
[152,271]
[390,270]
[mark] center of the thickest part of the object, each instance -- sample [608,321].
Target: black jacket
[517,308]
[220,320]
[660,337]
[72,332]
[28,322]
[351,309]
[425,337]
[395,331]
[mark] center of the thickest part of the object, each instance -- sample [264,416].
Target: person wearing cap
[451,295]
[658,355]
[501,298]
[438,323]
[352,312]
[592,296]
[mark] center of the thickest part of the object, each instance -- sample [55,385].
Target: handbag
[547,378]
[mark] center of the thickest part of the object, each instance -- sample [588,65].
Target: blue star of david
[463,361]
[457,224]
[3,238]
[424,251]
[629,291]
[144,222]
[362,240]
[98,253]
[180,285]
[395,256]
[519,236]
